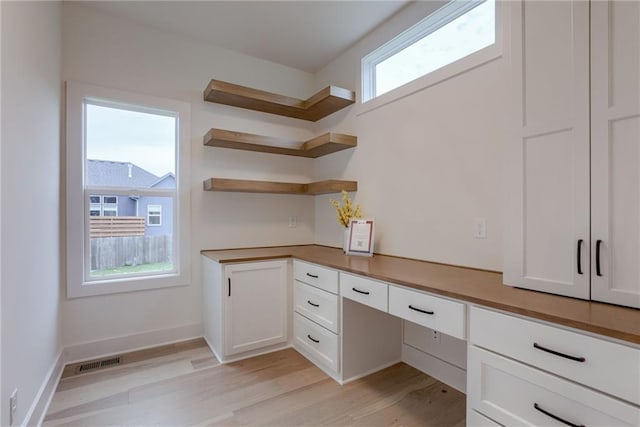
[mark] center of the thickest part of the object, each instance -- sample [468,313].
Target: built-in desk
[469,285]
[528,355]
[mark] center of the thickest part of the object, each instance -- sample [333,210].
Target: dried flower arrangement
[346,211]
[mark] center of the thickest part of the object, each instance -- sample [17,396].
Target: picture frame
[361,237]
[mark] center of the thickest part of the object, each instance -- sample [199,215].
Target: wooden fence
[115,252]
[116,226]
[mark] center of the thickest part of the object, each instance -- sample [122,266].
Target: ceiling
[305,35]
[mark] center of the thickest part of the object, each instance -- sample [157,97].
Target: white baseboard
[94,349]
[439,369]
[40,404]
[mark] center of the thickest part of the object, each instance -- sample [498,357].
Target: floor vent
[98,364]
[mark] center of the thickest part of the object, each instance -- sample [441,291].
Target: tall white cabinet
[572,222]
[615,151]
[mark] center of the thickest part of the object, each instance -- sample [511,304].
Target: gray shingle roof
[107,173]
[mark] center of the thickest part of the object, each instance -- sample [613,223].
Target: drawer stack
[525,372]
[316,323]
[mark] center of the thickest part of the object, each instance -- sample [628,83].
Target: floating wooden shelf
[326,102]
[245,186]
[316,147]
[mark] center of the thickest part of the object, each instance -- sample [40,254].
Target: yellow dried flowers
[346,211]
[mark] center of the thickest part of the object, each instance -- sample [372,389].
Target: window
[126,152]
[109,206]
[103,206]
[95,205]
[154,215]
[457,30]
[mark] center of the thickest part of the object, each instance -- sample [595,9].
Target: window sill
[127,284]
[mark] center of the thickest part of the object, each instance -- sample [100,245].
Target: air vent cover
[98,364]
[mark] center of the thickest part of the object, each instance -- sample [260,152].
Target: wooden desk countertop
[474,286]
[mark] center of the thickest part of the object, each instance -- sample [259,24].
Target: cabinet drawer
[317,305]
[610,367]
[317,276]
[512,393]
[317,343]
[364,291]
[433,312]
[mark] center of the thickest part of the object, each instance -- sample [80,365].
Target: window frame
[159,215]
[109,207]
[78,194]
[442,16]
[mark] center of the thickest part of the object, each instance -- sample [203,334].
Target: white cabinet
[615,151]
[572,220]
[523,372]
[317,305]
[316,319]
[245,307]
[577,357]
[317,343]
[515,394]
[365,291]
[433,312]
[315,275]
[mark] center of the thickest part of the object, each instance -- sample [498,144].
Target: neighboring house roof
[119,174]
[168,180]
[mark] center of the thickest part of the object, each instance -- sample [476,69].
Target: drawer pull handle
[420,310]
[313,339]
[315,276]
[557,353]
[598,244]
[315,305]
[579,256]
[555,417]
[360,292]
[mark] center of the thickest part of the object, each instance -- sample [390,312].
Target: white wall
[121,54]
[31,99]
[426,164]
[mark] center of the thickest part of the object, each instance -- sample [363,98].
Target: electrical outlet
[293,221]
[435,337]
[13,405]
[480,228]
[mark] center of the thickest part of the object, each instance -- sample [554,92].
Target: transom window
[455,31]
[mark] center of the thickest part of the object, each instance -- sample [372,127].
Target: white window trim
[108,207]
[414,34]
[159,215]
[77,195]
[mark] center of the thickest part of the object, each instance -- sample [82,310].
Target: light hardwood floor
[183,384]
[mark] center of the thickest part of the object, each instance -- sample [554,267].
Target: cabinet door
[255,305]
[615,148]
[547,181]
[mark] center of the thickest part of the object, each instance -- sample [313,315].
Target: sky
[146,140]
[464,35]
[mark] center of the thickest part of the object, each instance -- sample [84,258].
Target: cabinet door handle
[598,244]
[420,310]
[557,353]
[313,339]
[579,256]
[360,292]
[315,305]
[555,417]
[315,276]
[229,281]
